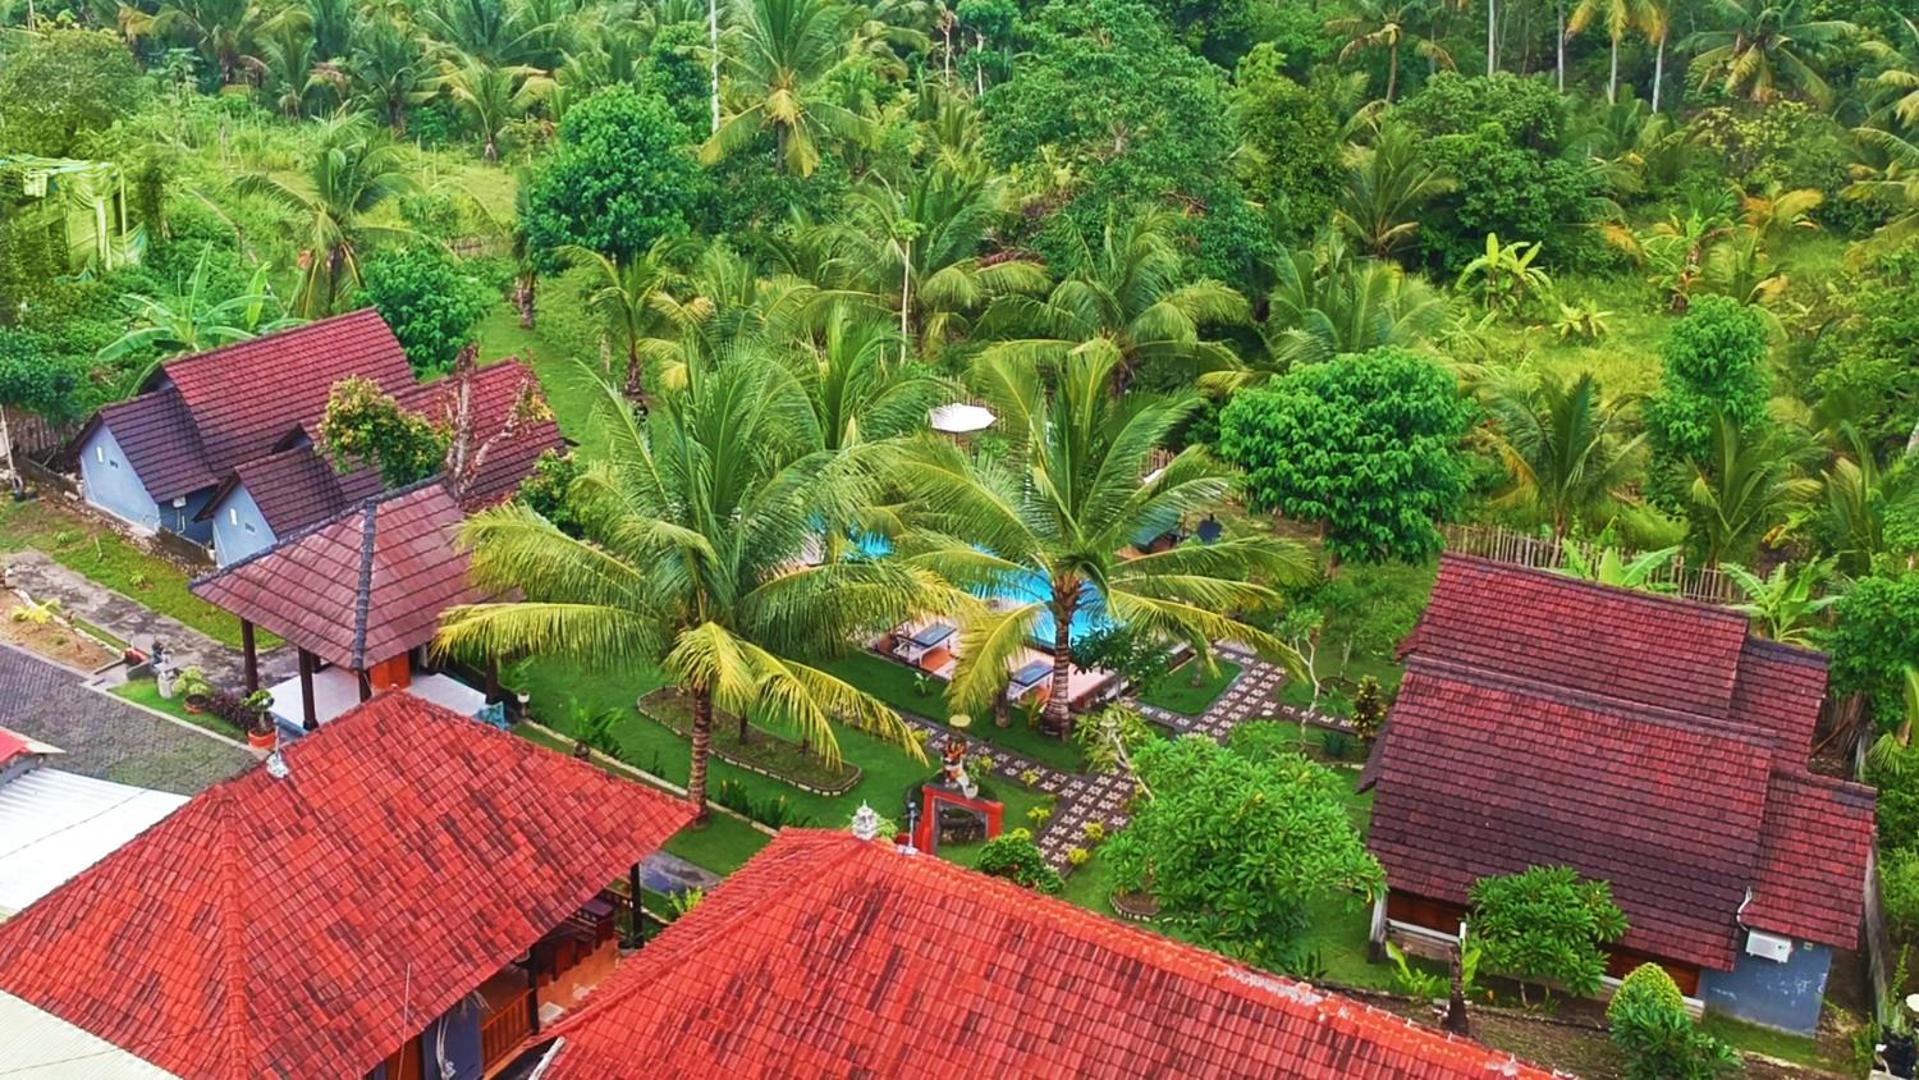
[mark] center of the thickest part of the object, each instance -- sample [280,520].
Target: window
[99,452]
[233,515]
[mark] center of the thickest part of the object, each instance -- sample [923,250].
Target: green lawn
[1175,690]
[887,771]
[106,558]
[569,390]
[145,692]
[895,684]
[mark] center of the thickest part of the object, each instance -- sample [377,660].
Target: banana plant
[1505,275]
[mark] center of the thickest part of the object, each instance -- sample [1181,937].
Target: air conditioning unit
[1769,946]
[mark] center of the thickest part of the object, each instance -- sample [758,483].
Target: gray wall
[1784,996]
[239,529]
[111,483]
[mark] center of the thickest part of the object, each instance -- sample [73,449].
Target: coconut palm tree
[1564,447]
[1744,493]
[388,70]
[696,522]
[860,388]
[1620,16]
[1893,182]
[1062,507]
[1860,497]
[788,48]
[1125,293]
[222,31]
[1387,185]
[638,314]
[1762,45]
[1326,301]
[491,97]
[354,169]
[1383,24]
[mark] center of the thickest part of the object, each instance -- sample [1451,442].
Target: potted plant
[196,693]
[260,730]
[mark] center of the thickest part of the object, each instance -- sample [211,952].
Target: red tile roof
[496,391]
[244,398]
[296,489]
[831,956]
[1625,735]
[157,435]
[359,589]
[308,926]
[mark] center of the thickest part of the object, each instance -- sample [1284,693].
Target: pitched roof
[38,1045]
[495,393]
[59,823]
[828,955]
[359,588]
[309,925]
[157,434]
[1642,740]
[297,488]
[245,397]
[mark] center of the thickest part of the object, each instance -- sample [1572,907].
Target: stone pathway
[38,575]
[1083,798]
[105,737]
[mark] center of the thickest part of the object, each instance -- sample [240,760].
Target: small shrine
[951,808]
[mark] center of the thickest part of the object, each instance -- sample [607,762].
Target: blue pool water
[1025,587]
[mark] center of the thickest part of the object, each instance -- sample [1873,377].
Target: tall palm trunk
[1059,701]
[525,287]
[1658,71]
[1392,71]
[1612,81]
[1560,65]
[702,747]
[713,44]
[633,389]
[1492,36]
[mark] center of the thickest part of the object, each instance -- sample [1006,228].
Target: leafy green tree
[621,180]
[1759,45]
[365,427]
[1715,365]
[1125,294]
[1565,448]
[788,52]
[1367,446]
[1546,924]
[861,388]
[224,32]
[1505,274]
[1238,846]
[1875,634]
[431,306]
[387,70]
[1126,117]
[638,314]
[1292,144]
[1064,505]
[33,382]
[1619,17]
[353,170]
[192,320]
[695,523]
[1651,1027]
[58,86]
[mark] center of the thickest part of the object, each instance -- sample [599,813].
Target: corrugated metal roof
[55,824]
[37,1045]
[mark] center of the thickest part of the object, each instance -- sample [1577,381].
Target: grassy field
[895,685]
[1175,691]
[106,558]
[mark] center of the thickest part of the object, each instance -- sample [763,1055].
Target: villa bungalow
[833,954]
[1650,742]
[358,596]
[405,894]
[219,447]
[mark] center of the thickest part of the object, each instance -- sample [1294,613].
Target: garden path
[1084,798]
[40,577]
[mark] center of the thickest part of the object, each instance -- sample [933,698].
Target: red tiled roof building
[310,924]
[827,955]
[1647,741]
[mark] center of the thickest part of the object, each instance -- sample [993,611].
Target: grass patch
[897,685]
[569,389]
[764,749]
[886,771]
[1753,1039]
[1175,690]
[110,560]
[146,692]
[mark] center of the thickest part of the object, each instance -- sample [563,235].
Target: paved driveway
[105,737]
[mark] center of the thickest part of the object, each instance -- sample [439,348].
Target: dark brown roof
[296,489]
[496,391]
[308,925]
[157,435]
[358,589]
[1641,740]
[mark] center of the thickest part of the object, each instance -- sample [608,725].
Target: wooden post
[636,937]
[252,655]
[366,687]
[309,719]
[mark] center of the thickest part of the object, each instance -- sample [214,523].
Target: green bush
[1016,858]
[1899,890]
[1647,984]
[1662,1043]
[431,305]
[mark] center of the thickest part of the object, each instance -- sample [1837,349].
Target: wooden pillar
[637,936]
[309,719]
[366,687]
[252,656]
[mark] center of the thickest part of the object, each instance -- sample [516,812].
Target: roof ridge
[363,592]
[330,520]
[1622,592]
[231,346]
[232,930]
